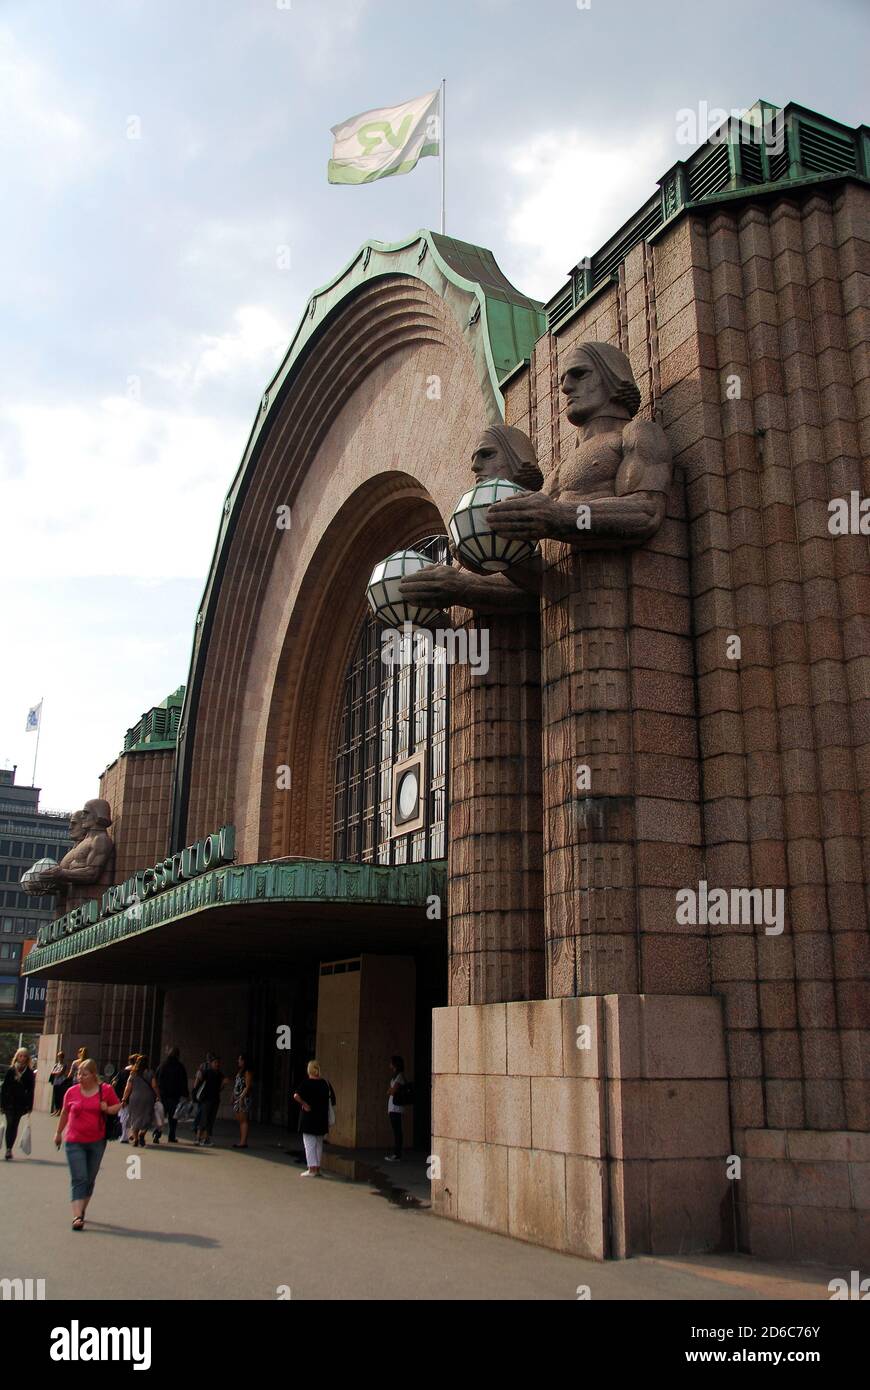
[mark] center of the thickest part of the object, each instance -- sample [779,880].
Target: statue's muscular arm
[89,867]
[633,514]
[444,586]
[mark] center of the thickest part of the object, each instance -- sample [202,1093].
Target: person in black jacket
[314,1096]
[16,1095]
[172,1082]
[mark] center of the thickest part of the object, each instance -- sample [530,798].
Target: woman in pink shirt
[83,1118]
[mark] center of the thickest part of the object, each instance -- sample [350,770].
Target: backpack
[405,1094]
[113,1124]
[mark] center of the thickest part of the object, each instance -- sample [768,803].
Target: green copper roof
[771,150]
[500,325]
[158,726]
[300,884]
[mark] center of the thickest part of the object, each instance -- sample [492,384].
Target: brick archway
[370,448]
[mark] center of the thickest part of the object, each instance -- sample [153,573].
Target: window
[4,846]
[389,714]
[7,925]
[7,995]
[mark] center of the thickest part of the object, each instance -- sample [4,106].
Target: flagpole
[38,732]
[443,105]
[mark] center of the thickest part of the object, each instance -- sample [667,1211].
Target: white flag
[33,717]
[387,141]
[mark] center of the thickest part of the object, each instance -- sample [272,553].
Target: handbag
[24,1136]
[112,1123]
[330,1108]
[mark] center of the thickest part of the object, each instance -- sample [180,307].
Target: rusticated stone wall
[747,330]
[495,821]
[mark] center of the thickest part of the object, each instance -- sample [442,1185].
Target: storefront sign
[216,849]
[31,996]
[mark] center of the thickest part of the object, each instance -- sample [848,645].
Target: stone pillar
[622,824]
[494,833]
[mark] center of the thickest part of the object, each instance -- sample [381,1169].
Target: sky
[166,216]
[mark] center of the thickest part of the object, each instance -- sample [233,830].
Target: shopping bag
[24,1136]
[185,1111]
[159,1115]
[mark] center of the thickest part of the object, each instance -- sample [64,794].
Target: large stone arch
[368,439]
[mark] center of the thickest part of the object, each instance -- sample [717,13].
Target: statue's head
[596,379]
[97,814]
[76,826]
[502,451]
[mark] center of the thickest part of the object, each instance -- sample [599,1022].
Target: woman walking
[83,1120]
[57,1076]
[140,1097]
[16,1096]
[315,1097]
[243,1095]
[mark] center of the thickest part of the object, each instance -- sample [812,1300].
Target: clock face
[408,795]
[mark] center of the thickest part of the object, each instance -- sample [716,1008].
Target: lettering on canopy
[216,849]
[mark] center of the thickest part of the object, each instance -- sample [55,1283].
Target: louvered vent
[607,261]
[558,308]
[778,163]
[826,151]
[710,173]
[750,163]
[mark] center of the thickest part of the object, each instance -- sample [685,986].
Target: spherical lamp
[384,591]
[32,880]
[478,548]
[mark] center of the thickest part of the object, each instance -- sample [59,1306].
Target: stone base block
[594,1125]
[805,1195]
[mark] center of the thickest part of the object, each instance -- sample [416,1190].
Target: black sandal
[78,1223]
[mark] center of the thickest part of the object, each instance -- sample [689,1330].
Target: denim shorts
[84,1164]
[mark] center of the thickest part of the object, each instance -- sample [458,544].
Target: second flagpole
[443,180]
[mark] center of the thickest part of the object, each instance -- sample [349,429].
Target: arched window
[391,765]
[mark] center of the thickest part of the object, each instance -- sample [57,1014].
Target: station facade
[614,1054]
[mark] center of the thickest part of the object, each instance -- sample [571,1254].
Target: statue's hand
[437,586]
[529,517]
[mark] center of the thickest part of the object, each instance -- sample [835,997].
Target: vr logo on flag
[385,132]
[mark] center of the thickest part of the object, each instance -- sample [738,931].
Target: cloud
[44,142]
[574,191]
[250,350]
[114,489]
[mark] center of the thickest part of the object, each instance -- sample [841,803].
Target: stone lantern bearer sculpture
[606,496]
[90,860]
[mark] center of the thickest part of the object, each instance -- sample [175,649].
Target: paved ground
[211,1223]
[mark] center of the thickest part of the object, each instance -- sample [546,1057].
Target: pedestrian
[140,1096]
[395,1111]
[172,1083]
[74,1065]
[243,1095]
[57,1077]
[119,1083]
[208,1093]
[315,1095]
[16,1096]
[83,1121]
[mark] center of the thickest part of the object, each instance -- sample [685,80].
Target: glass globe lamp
[384,590]
[32,880]
[475,546]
